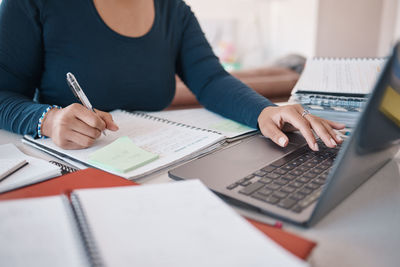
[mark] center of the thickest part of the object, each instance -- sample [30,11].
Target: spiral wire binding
[64,168]
[151,117]
[84,229]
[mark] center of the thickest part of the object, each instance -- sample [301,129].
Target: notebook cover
[94,178]
[88,178]
[297,245]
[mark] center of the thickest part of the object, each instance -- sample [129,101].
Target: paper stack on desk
[174,224]
[35,171]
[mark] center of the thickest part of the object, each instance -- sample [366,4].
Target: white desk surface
[364,230]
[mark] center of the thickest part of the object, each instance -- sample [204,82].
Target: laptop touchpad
[235,162]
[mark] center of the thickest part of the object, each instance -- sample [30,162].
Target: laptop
[295,184]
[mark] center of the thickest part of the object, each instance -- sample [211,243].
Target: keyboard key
[265,180]
[264,191]
[324,175]
[289,176]
[316,160]
[302,159]
[304,179]
[297,196]
[296,173]
[308,156]
[280,171]
[294,164]
[305,191]
[288,189]
[241,180]
[303,168]
[272,200]
[280,194]
[286,179]
[287,203]
[310,175]
[324,166]
[272,175]
[317,171]
[281,181]
[249,177]
[312,186]
[259,196]
[288,167]
[273,186]
[288,158]
[296,184]
[232,186]
[268,168]
[319,181]
[260,173]
[251,188]
[246,183]
[310,165]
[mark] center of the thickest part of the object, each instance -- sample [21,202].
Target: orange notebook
[93,178]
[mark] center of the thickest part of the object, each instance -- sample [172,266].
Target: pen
[78,92]
[14,170]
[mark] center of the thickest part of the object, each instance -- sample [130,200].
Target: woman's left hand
[275,120]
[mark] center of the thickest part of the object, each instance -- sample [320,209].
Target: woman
[125,54]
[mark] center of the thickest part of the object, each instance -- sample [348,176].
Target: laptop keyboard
[293,182]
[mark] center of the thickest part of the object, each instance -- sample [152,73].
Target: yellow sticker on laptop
[121,156]
[390,105]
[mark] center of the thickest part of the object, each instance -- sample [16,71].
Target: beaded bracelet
[39,127]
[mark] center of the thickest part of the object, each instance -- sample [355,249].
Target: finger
[82,128]
[69,145]
[335,125]
[294,118]
[271,130]
[321,130]
[107,118]
[79,139]
[334,135]
[87,116]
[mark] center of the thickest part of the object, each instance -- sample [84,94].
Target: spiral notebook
[337,88]
[172,224]
[172,142]
[205,119]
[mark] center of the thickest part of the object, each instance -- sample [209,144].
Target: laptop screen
[380,123]
[373,143]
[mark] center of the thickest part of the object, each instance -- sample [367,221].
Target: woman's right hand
[76,127]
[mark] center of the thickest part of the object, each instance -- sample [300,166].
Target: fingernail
[333,142]
[339,138]
[282,141]
[316,148]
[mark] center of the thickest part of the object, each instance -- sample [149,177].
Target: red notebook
[93,178]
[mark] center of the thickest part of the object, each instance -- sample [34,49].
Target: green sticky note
[122,155]
[230,126]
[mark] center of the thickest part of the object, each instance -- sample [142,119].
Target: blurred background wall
[251,33]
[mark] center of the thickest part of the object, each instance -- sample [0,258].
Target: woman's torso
[114,70]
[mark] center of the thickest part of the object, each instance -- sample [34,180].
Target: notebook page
[39,232]
[341,76]
[170,142]
[36,171]
[205,119]
[174,224]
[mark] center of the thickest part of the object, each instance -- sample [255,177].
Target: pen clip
[71,83]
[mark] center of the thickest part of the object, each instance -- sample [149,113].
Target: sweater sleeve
[21,63]
[216,89]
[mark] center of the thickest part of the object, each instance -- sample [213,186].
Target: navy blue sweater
[42,40]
